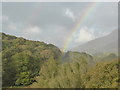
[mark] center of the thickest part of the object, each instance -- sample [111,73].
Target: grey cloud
[55,25]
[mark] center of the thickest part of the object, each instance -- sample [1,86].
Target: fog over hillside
[106,44]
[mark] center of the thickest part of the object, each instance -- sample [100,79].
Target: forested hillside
[77,75]
[66,75]
[34,64]
[102,75]
[22,59]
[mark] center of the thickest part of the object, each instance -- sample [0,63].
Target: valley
[35,64]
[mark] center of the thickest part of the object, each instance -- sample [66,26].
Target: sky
[53,22]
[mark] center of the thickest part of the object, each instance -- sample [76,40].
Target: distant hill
[106,44]
[105,58]
[77,56]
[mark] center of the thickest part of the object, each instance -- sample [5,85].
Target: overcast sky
[53,22]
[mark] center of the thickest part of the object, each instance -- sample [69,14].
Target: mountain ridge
[104,44]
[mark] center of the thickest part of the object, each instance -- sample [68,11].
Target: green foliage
[78,74]
[35,64]
[22,59]
[76,56]
[24,78]
[103,75]
[47,72]
[65,75]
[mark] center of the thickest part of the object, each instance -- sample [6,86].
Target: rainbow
[78,24]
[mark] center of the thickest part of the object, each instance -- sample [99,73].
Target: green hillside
[75,74]
[102,75]
[22,59]
[35,64]
[53,74]
[73,56]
